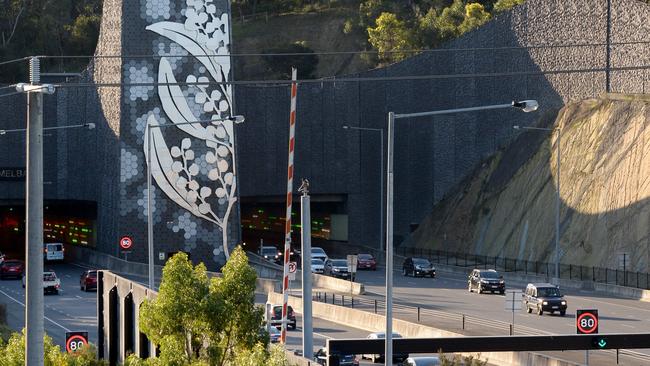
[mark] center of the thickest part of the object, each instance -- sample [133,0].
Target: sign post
[587,323]
[352,268]
[74,341]
[513,302]
[125,245]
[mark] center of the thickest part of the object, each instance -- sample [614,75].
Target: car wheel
[539,310]
[563,313]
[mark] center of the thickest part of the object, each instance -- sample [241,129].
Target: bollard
[418,314]
[463,321]
[511,330]
[375,306]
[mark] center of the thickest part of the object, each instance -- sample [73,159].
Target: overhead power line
[14,61]
[330,53]
[353,79]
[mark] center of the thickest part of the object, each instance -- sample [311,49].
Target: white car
[51,282]
[319,253]
[422,361]
[317,266]
[397,357]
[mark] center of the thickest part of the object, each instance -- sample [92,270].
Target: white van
[53,251]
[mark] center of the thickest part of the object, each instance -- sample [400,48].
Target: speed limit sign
[587,321]
[74,341]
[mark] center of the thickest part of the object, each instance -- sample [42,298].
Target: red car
[12,268]
[366,261]
[88,280]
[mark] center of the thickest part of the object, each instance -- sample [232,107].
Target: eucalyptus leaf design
[174,169]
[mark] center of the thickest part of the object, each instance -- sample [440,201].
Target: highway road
[486,314]
[71,310]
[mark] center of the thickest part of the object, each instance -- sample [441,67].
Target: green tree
[475,16]
[390,35]
[171,319]
[450,19]
[13,353]
[458,360]
[201,321]
[504,5]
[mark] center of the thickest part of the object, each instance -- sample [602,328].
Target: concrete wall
[375,322]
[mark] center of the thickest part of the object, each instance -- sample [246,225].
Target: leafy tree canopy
[196,320]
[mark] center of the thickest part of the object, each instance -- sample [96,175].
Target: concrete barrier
[375,322]
[295,360]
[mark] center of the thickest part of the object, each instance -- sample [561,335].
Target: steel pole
[388,353]
[35,313]
[557,211]
[381,193]
[149,215]
[307,328]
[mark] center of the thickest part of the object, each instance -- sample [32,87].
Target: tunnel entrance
[68,222]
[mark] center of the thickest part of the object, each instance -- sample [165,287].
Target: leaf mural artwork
[176,170]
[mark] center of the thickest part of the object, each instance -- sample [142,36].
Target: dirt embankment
[507,208]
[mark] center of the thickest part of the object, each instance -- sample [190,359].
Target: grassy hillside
[507,208]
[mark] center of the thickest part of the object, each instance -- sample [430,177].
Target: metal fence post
[342,300]
[616,283]
[570,270]
[418,314]
[375,306]
[463,321]
[352,302]
[325,297]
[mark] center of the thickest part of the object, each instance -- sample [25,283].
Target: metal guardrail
[464,321]
[621,277]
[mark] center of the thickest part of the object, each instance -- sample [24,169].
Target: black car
[320,357]
[337,268]
[483,280]
[276,320]
[418,267]
[397,357]
[542,297]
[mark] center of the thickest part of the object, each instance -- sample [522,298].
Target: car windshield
[340,263]
[277,310]
[317,251]
[548,292]
[269,251]
[12,263]
[92,274]
[364,256]
[490,274]
[273,330]
[49,277]
[383,335]
[316,262]
[421,262]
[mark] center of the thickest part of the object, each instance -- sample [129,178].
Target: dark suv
[543,297]
[418,267]
[483,280]
[276,320]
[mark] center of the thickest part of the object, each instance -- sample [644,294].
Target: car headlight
[563,302]
[335,269]
[545,303]
[502,282]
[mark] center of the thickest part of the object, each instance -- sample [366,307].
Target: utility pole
[305,228]
[34,308]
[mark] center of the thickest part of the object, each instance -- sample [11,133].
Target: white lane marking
[80,265]
[322,335]
[628,326]
[46,318]
[78,297]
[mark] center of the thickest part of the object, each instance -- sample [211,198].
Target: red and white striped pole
[287,232]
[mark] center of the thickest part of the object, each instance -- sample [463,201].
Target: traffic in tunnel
[67,222]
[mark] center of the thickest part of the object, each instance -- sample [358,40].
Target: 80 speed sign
[74,341]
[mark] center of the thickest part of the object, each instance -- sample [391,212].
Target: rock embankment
[507,208]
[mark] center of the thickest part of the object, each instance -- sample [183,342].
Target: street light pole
[526,106]
[235,119]
[556,279]
[381,179]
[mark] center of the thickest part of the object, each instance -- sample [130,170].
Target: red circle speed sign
[126,242]
[75,341]
[587,322]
